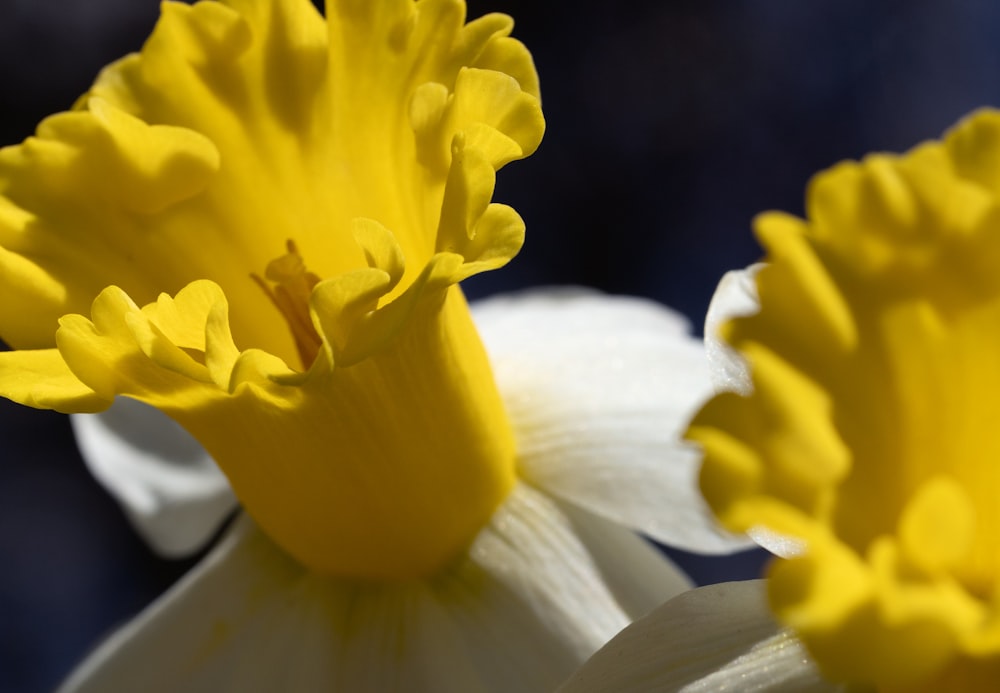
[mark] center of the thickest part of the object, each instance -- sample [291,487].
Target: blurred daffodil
[257,227]
[857,439]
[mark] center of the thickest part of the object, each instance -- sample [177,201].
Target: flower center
[385,468]
[293,284]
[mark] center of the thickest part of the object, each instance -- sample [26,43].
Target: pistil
[293,285]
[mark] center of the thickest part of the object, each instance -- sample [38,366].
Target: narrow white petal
[735,296]
[534,602]
[197,637]
[712,639]
[528,604]
[778,544]
[639,575]
[170,489]
[536,595]
[599,390]
[250,619]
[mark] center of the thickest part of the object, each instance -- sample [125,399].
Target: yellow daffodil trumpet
[868,437]
[270,212]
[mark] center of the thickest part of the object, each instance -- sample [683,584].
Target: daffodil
[857,436]
[257,227]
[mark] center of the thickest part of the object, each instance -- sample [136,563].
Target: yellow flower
[257,225]
[367,144]
[866,439]
[855,438]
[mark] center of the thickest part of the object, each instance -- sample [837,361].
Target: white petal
[539,592]
[778,544]
[716,638]
[599,390]
[542,590]
[250,619]
[520,613]
[735,296]
[170,489]
[561,595]
[196,637]
[639,575]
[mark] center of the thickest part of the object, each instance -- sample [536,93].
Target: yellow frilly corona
[870,436]
[257,225]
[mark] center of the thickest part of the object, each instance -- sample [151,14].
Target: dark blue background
[670,125]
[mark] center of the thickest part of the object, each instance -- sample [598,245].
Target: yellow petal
[241,125]
[41,379]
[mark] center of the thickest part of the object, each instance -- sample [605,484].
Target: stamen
[293,285]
